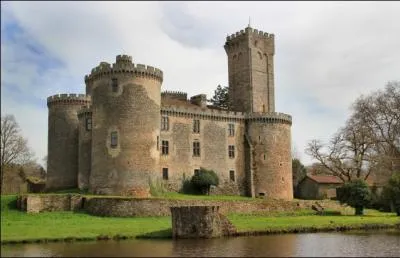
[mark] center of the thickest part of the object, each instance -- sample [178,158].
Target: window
[196,126]
[196,149]
[114,85]
[196,171]
[164,147]
[164,123]
[114,139]
[231,128]
[232,175]
[158,143]
[231,150]
[88,124]
[165,173]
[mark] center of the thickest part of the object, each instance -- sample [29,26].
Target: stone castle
[125,133]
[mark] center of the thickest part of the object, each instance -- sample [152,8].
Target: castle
[124,132]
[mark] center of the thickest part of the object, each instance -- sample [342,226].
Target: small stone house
[314,187]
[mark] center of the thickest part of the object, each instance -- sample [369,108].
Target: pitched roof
[326,179]
[323,179]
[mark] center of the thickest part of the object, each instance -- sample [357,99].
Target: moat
[384,243]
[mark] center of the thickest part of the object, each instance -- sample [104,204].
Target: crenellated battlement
[85,111]
[125,65]
[242,33]
[69,99]
[274,117]
[174,95]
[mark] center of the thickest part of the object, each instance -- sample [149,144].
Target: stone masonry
[125,133]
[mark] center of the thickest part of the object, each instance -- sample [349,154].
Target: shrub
[188,187]
[355,193]
[204,180]
[392,191]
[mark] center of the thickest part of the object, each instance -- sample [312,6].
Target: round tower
[85,147]
[62,163]
[125,127]
[271,159]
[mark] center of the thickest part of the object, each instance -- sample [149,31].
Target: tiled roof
[326,179]
[323,179]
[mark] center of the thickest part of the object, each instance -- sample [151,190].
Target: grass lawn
[17,225]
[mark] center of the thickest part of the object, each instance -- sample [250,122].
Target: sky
[326,54]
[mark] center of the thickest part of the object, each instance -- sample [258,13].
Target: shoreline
[168,235]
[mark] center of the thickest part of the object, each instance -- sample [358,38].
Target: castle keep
[125,133]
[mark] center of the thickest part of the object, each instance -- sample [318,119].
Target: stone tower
[62,163]
[250,70]
[268,134]
[126,118]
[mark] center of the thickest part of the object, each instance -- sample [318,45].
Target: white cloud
[327,54]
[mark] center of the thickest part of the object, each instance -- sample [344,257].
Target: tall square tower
[251,70]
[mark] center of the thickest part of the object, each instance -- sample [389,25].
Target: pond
[352,243]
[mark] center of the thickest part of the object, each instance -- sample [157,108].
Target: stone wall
[214,140]
[148,207]
[199,222]
[127,207]
[40,203]
[84,148]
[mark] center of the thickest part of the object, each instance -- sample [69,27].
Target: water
[361,243]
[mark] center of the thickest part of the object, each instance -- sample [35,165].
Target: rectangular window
[231,150]
[196,126]
[196,149]
[88,124]
[158,143]
[165,173]
[114,139]
[231,128]
[164,123]
[196,171]
[232,175]
[114,85]
[164,147]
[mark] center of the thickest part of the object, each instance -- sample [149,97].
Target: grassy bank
[17,226]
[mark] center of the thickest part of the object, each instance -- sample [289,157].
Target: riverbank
[20,227]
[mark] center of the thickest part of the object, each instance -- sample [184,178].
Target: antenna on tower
[249,21]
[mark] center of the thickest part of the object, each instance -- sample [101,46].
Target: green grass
[244,222]
[17,225]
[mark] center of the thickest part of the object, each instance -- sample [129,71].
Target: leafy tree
[221,97]
[355,193]
[14,148]
[299,172]
[392,191]
[204,180]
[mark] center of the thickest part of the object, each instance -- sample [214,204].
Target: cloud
[327,54]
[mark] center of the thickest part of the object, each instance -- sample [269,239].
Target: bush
[392,191]
[204,180]
[188,187]
[356,194]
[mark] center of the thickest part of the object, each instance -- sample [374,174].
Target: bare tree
[380,113]
[348,155]
[370,138]
[14,148]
